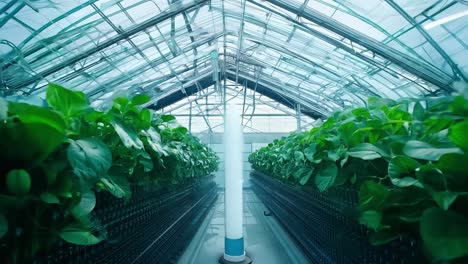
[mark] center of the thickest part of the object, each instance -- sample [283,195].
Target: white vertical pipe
[233,143]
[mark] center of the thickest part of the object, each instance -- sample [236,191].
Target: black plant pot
[324,225]
[151,227]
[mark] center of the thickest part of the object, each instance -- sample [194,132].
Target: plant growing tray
[152,227]
[325,226]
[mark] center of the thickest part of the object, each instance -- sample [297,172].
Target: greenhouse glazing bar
[232,77]
[429,39]
[205,81]
[188,102]
[281,95]
[430,74]
[192,39]
[216,106]
[125,34]
[190,86]
[326,93]
[119,80]
[240,39]
[342,46]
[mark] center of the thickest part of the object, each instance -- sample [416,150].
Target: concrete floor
[265,240]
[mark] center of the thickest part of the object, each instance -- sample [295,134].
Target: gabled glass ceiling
[203,112]
[325,54]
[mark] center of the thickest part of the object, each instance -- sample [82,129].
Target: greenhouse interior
[234,131]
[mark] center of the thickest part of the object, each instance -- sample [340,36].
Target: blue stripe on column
[234,247]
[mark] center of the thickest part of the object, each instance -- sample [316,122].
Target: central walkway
[265,240]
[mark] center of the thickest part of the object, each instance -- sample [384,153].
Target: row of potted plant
[408,159]
[55,158]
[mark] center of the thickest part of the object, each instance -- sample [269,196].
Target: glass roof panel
[325,54]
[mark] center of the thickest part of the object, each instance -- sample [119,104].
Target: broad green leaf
[120,103]
[3,225]
[432,178]
[49,198]
[128,137]
[18,182]
[140,99]
[119,189]
[372,196]
[68,102]
[358,136]
[425,151]
[39,132]
[458,134]
[452,162]
[330,122]
[418,111]
[90,158]
[361,112]
[378,116]
[436,138]
[326,176]
[364,129]
[145,116]
[366,151]
[154,140]
[344,160]
[94,116]
[303,174]
[405,197]
[121,100]
[406,182]
[435,124]
[402,165]
[371,219]
[65,185]
[395,144]
[298,156]
[444,199]
[309,152]
[459,106]
[27,144]
[180,130]
[78,236]
[436,180]
[306,176]
[444,233]
[147,163]
[86,204]
[346,133]
[167,118]
[32,114]
[335,154]
[375,135]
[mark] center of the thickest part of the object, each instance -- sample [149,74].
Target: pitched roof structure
[313,56]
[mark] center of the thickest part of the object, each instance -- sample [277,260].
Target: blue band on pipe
[234,247]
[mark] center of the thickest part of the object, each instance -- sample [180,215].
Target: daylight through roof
[306,58]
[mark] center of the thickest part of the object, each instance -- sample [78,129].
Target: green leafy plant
[56,158]
[408,159]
